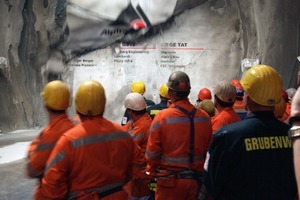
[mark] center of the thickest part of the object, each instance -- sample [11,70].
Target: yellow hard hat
[263,85]
[90,98]
[56,95]
[280,108]
[163,90]
[138,87]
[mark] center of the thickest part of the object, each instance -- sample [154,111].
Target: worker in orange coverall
[138,127]
[56,98]
[225,94]
[94,159]
[178,140]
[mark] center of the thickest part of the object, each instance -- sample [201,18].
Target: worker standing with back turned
[138,127]
[178,141]
[225,94]
[95,159]
[252,159]
[136,87]
[56,98]
[163,95]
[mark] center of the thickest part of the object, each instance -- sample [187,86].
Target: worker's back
[95,156]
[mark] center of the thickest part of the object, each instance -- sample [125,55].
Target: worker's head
[135,104]
[208,106]
[138,87]
[239,89]
[280,108]
[56,95]
[225,94]
[204,94]
[179,85]
[263,85]
[163,91]
[90,98]
[135,101]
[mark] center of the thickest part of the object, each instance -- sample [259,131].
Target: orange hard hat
[204,93]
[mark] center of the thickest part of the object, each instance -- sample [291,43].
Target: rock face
[35,40]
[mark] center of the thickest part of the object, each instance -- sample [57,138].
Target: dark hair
[222,103]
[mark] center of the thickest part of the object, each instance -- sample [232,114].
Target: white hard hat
[225,91]
[135,101]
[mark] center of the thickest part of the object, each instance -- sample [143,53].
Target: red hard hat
[204,93]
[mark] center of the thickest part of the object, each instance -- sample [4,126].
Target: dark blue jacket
[251,159]
[153,109]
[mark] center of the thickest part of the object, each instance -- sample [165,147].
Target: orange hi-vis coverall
[139,132]
[224,117]
[91,161]
[239,108]
[168,151]
[76,120]
[40,148]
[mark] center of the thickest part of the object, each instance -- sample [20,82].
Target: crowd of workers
[234,143]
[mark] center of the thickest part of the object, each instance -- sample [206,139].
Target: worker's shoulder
[149,102]
[239,127]
[153,107]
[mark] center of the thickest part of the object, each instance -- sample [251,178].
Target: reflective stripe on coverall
[154,109]
[95,155]
[139,132]
[224,117]
[168,150]
[40,149]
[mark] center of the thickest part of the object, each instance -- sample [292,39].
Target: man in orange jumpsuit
[56,98]
[94,159]
[138,127]
[136,87]
[178,141]
[225,94]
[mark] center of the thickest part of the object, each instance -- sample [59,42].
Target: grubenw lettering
[265,143]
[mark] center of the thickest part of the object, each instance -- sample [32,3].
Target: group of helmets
[90,96]
[135,100]
[256,83]
[140,87]
[89,99]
